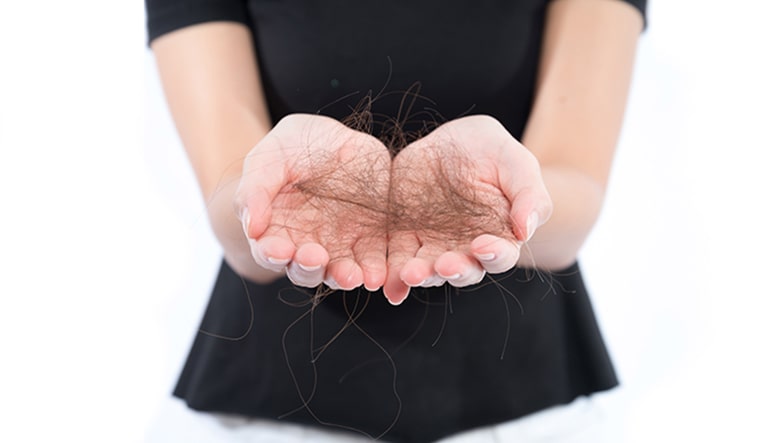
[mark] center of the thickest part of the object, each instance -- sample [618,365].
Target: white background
[106,258]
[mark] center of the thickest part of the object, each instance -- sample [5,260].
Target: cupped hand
[463,200]
[313,202]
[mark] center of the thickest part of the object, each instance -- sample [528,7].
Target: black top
[459,359]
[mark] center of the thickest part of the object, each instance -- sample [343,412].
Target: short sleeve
[163,16]
[641,6]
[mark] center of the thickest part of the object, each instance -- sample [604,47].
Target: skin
[504,173]
[209,75]
[319,240]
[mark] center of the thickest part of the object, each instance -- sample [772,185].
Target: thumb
[522,184]
[529,210]
[265,172]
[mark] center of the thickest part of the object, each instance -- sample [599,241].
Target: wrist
[577,201]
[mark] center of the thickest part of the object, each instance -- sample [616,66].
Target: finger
[344,274]
[527,214]
[419,271]
[255,212]
[495,254]
[433,281]
[402,247]
[308,267]
[459,269]
[265,172]
[530,202]
[370,254]
[272,252]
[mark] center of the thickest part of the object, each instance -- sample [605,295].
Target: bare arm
[557,184]
[211,81]
[582,88]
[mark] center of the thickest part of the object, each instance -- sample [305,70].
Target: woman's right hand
[313,200]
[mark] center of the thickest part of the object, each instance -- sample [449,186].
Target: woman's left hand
[465,199]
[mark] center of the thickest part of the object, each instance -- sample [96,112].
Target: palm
[454,206]
[327,204]
[321,203]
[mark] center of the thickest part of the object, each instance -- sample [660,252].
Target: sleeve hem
[641,7]
[168,18]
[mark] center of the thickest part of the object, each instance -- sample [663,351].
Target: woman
[432,362]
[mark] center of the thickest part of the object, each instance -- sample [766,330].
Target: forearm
[582,88]
[211,82]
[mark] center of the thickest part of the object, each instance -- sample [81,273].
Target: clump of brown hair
[341,198]
[434,191]
[431,190]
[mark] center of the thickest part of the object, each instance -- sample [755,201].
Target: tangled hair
[440,197]
[432,190]
[429,189]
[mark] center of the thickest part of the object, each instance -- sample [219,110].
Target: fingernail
[398,301]
[309,268]
[246,218]
[395,291]
[485,257]
[329,281]
[455,276]
[531,225]
[277,261]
